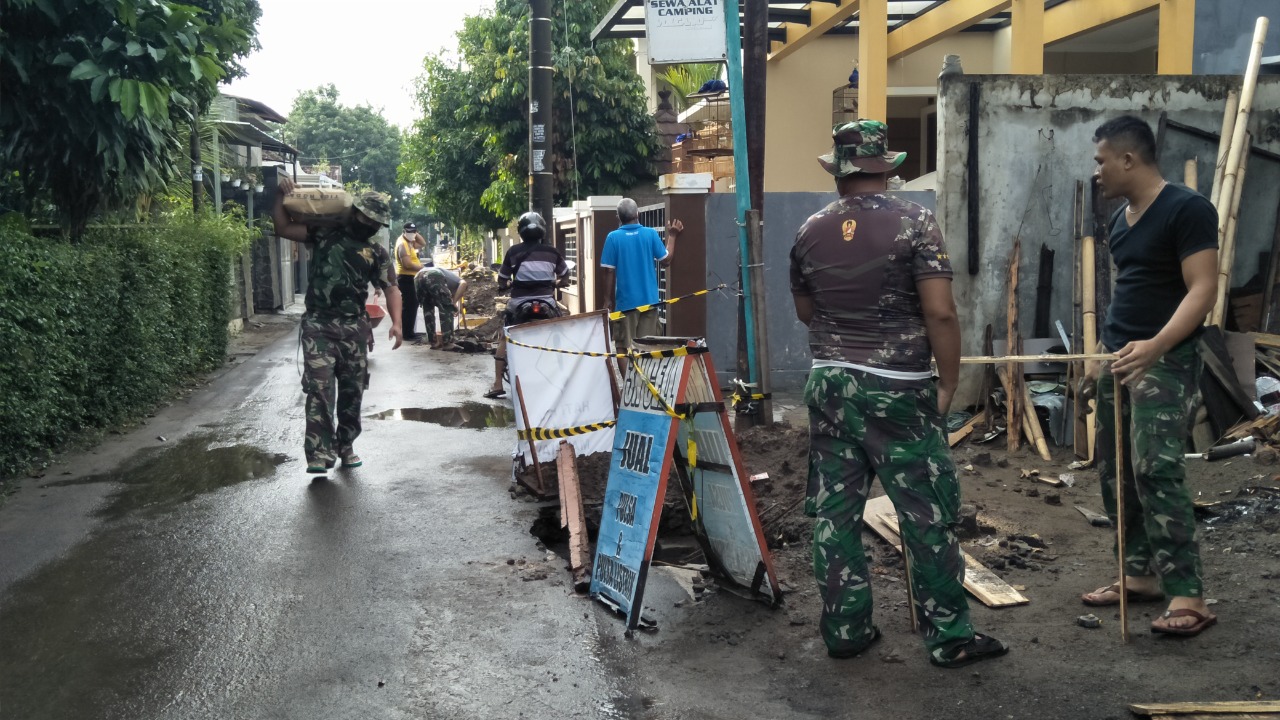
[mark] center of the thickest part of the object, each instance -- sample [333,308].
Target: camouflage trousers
[433,292]
[336,372]
[1159,521]
[863,426]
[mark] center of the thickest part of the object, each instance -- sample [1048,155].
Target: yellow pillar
[1177,37]
[873,59]
[1027,48]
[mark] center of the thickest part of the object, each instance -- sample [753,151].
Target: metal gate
[655,216]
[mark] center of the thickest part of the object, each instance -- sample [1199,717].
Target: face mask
[360,230]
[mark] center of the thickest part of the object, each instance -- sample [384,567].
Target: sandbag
[318,206]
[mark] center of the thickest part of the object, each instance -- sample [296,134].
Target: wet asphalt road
[206,576]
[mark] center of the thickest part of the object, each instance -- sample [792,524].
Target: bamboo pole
[1079,427]
[1048,358]
[1239,149]
[1227,249]
[1191,174]
[1224,144]
[1013,398]
[1089,335]
[1030,423]
[1122,583]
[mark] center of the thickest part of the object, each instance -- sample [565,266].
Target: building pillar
[1177,37]
[873,60]
[1027,48]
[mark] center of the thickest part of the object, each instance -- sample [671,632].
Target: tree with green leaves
[99,94]
[359,139]
[469,152]
[688,78]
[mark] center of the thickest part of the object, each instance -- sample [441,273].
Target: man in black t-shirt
[533,270]
[1164,245]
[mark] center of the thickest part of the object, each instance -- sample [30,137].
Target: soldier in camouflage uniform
[442,290]
[871,278]
[336,332]
[1164,244]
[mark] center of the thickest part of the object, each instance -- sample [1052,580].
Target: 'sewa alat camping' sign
[647,440]
[682,31]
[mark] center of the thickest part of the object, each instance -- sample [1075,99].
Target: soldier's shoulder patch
[848,229]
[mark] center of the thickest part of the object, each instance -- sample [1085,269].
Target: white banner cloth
[560,390]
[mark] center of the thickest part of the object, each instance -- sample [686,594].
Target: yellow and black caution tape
[657,394]
[668,353]
[558,433]
[646,308]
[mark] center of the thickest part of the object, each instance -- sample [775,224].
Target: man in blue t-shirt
[629,276]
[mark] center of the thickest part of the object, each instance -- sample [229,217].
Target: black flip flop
[981,647]
[495,394]
[846,654]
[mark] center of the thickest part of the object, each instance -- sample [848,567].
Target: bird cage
[844,105]
[710,149]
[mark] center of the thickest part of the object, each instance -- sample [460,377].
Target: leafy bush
[98,331]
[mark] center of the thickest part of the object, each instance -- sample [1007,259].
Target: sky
[370,49]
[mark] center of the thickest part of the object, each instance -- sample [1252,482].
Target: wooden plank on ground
[573,517]
[1266,340]
[967,429]
[983,584]
[1206,708]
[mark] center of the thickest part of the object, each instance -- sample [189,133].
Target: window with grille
[655,216]
[569,246]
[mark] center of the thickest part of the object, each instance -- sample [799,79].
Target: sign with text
[684,31]
[637,483]
[632,506]
[722,505]
[672,412]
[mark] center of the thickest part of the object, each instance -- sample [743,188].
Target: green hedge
[96,332]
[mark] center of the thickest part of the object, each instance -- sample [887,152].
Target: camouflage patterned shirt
[859,259]
[341,269]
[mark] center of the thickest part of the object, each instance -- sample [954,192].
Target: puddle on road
[176,474]
[473,415]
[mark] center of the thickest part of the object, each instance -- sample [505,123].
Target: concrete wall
[1224,30]
[1036,142]
[788,337]
[1141,62]
[799,101]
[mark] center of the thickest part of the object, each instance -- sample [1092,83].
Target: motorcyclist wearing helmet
[532,270]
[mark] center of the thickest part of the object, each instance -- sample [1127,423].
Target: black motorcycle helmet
[531,227]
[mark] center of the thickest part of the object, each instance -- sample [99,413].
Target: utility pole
[755,49]
[755,59]
[751,269]
[541,180]
[197,172]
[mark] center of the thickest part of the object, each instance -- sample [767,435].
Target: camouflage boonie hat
[375,205]
[860,146]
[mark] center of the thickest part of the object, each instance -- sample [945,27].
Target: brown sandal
[1202,623]
[1134,596]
